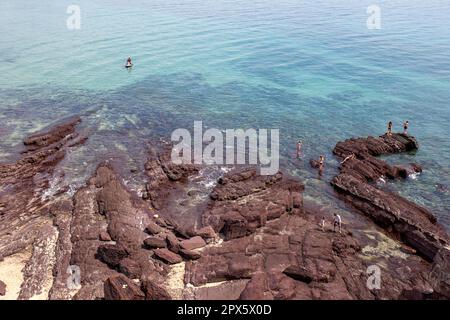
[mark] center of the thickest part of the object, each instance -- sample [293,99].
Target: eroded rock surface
[25,222]
[257,238]
[414,224]
[243,201]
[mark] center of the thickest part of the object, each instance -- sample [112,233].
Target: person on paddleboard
[129,64]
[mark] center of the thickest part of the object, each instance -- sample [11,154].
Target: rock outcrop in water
[25,225]
[412,223]
[255,236]
[287,256]
[244,201]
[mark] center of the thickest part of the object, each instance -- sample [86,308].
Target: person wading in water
[405,127]
[321,164]
[299,148]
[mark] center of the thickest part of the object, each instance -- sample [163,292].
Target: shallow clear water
[310,68]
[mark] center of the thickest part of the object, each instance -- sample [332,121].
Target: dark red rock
[405,171]
[257,288]
[376,146]
[206,233]
[415,225]
[261,198]
[347,245]
[181,231]
[55,134]
[104,236]
[153,229]
[119,287]
[314,163]
[190,254]
[242,183]
[112,254]
[298,273]
[163,173]
[154,291]
[273,229]
[167,256]
[440,272]
[130,268]
[2,288]
[173,244]
[193,243]
[124,215]
[154,242]
[235,225]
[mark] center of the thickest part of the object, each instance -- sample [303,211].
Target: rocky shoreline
[248,237]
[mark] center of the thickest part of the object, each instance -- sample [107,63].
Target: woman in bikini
[389,132]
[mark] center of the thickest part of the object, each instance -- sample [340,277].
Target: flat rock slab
[298,273]
[206,232]
[167,256]
[154,242]
[193,243]
[190,254]
[173,243]
[416,225]
[152,228]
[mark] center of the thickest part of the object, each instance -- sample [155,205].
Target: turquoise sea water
[310,68]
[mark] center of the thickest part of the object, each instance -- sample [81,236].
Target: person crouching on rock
[389,132]
[405,127]
[337,222]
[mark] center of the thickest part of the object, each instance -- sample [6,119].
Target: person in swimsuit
[389,132]
[337,222]
[322,223]
[129,63]
[352,156]
[299,148]
[321,163]
[405,127]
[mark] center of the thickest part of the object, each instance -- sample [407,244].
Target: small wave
[414,176]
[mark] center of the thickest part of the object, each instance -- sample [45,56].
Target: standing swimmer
[405,127]
[321,164]
[299,148]
[389,132]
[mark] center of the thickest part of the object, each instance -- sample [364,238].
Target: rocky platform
[413,224]
[255,237]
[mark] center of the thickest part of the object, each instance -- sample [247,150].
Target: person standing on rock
[322,224]
[389,132]
[337,222]
[405,127]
